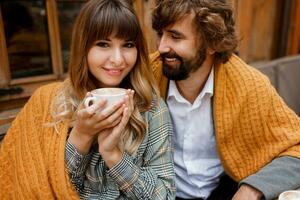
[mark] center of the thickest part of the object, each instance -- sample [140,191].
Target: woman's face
[111,59]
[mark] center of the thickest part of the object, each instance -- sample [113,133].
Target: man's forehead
[184,20]
[183,24]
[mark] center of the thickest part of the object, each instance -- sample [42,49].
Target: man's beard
[185,67]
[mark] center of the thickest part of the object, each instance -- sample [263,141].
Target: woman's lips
[113,72]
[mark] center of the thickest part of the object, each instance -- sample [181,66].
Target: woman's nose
[117,57]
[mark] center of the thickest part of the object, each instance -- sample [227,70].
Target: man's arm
[281,174]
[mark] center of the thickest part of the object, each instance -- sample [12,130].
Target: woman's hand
[91,120]
[109,138]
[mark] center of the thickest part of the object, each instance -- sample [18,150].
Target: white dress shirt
[197,164]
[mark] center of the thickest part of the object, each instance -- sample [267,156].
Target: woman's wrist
[112,158]
[81,142]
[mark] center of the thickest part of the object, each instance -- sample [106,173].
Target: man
[229,122]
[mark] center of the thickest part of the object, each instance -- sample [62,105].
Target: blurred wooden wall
[144,9]
[293,44]
[267,29]
[257,23]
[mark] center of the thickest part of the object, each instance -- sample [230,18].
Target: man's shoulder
[236,62]
[236,68]
[238,78]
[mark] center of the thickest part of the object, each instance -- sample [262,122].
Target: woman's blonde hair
[98,19]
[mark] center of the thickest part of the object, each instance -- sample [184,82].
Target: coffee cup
[290,195]
[111,95]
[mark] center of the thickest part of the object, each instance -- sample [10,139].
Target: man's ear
[210,51]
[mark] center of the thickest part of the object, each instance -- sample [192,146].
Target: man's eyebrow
[172,31]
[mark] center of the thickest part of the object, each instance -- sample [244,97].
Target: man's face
[180,49]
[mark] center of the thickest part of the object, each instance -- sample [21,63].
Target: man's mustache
[171,55]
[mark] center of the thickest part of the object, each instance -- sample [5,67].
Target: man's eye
[129,45]
[102,44]
[176,37]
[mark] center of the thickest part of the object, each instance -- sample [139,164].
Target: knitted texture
[252,123]
[32,164]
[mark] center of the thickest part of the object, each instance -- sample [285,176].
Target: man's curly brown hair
[213,21]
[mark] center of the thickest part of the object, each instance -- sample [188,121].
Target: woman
[123,152]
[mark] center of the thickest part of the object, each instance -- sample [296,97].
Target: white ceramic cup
[290,195]
[112,96]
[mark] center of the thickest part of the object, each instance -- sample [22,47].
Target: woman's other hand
[109,138]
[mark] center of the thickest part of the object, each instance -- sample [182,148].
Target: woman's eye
[129,45]
[103,44]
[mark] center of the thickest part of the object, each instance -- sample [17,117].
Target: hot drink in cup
[290,195]
[112,96]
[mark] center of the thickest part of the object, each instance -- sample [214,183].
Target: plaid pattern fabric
[149,174]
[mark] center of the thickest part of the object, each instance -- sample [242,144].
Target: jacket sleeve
[76,165]
[280,175]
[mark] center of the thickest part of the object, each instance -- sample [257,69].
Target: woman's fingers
[115,123]
[113,135]
[87,112]
[107,118]
[126,111]
[113,110]
[110,121]
[118,130]
[96,107]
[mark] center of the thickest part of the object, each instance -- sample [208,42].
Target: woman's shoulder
[157,108]
[39,102]
[157,104]
[44,94]
[49,88]
[159,120]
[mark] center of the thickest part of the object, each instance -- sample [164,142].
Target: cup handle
[88,100]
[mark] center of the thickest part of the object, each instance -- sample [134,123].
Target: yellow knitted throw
[32,164]
[252,123]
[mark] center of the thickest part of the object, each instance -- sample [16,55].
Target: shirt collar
[208,88]
[209,85]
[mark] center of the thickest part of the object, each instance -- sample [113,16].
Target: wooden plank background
[4,66]
[294,30]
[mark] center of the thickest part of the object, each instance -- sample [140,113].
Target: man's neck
[191,87]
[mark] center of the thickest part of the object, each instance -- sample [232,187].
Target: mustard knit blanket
[32,164]
[252,123]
